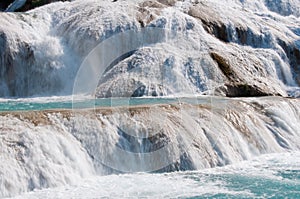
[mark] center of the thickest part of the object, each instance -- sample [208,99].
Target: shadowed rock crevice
[224,66]
[245,90]
[29,5]
[131,143]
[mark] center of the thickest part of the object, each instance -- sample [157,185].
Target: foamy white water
[269,175]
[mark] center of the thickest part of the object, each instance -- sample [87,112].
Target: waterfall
[51,148]
[217,81]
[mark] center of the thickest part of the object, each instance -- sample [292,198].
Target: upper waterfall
[232,48]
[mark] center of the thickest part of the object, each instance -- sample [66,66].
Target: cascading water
[232,48]
[51,148]
[33,60]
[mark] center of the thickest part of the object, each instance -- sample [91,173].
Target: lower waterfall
[52,148]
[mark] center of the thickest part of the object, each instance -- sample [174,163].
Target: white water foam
[205,183]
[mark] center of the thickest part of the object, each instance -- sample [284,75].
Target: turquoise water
[286,186]
[12,105]
[38,104]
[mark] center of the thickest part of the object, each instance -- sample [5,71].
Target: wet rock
[239,82]
[224,66]
[211,21]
